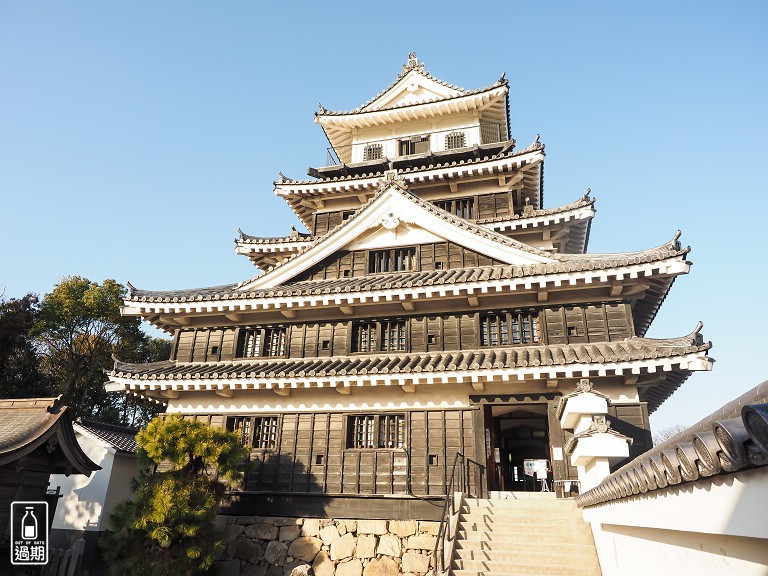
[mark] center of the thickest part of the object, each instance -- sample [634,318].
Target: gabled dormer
[417,115]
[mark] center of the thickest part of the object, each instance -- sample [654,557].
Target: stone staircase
[528,534]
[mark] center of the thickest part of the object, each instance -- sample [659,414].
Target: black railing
[452,139]
[471,481]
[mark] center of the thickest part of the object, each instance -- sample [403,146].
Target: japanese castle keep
[434,306]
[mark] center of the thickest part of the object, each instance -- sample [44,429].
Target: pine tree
[168,528]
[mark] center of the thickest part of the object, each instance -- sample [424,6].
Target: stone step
[576,554]
[533,527]
[542,535]
[504,505]
[522,515]
[520,498]
[525,571]
[525,542]
[564,568]
[501,496]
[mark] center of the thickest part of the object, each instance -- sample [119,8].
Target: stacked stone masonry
[256,546]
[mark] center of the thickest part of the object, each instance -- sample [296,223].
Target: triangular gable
[395,211]
[413,88]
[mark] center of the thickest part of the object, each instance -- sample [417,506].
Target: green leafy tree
[77,330]
[20,376]
[168,529]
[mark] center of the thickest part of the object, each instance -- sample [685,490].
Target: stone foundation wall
[268,546]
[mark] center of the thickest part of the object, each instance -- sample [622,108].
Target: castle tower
[433,306]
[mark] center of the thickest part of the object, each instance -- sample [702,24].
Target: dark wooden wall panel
[441,255]
[448,332]
[631,420]
[312,456]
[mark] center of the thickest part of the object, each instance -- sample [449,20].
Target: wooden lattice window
[268,341]
[364,337]
[255,431]
[461,207]
[455,140]
[504,329]
[376,431]
[393,335]
[393,260]
[524,328]
[413,145]
[373,152]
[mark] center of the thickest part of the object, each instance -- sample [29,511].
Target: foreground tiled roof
[120,438]
[26,424]
[631,349]
[733,438]
[565,263]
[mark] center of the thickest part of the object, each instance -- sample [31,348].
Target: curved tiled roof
[431,165]
[497,84]
[413,65]
[418,67]
[567,263]
[26,424]
[733,438]
[580,203]
[626,350]
[120,438]
[295,236]
[384,186]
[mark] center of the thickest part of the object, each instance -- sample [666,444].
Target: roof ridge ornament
[528,209]
[392,179]
[676,239]
[412,64]
[584,385]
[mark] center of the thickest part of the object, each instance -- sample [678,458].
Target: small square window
[431,339]
[319,459]
[214,349]
[433,460]
[326,344]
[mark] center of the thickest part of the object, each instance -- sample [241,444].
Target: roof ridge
[671,245]
[412,64]
[392,180]
[399,354]
[563,263]
[87,422]
[324,112]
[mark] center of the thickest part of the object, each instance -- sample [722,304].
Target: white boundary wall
[714,526]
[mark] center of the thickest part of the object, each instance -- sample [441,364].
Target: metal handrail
[490,133]
[461,484]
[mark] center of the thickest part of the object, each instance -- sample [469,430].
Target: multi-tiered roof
[395,161]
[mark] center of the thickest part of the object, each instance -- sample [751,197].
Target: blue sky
[136,137]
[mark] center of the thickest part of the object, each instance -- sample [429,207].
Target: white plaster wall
[81,504]
[709,527]
[360,398]
[124,468]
